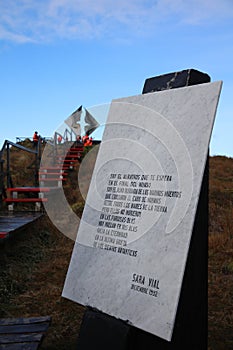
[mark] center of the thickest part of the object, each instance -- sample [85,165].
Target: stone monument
[133,241]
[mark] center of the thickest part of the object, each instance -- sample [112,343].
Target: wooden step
[76,149]
[75,155]
[58,167]
[71,153]
[69,161]
[3,235]
[25,200]
[69,157]
[51,168]
[52,173]
[52,179]
[28,189]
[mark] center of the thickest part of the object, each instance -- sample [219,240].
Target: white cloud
[11,36]
[198,11]
[25,21]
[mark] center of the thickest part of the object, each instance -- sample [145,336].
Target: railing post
[1,180]
[37,161]
[8,175]
[55,148]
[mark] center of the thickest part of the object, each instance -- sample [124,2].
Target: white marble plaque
[132,244]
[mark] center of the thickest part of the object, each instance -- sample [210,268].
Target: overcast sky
[58,54]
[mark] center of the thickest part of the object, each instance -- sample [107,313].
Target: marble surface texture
[129,257]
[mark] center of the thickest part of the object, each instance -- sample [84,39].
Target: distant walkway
[10,222]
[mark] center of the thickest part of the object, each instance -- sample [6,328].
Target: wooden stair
[54,176]
[30,195]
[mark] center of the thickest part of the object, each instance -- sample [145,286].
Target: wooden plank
[53,173]
[20,338]
[13,221]
[52,179]
[74,154]
[76,149]
[24,320]
[24,328]
[26,200]
[23,333]
[16,220]
[20,346]
[69,161]
[51,168]
[28,189]
[3,235]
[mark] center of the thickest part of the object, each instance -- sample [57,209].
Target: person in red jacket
[88,142]
[35,139]
[59,139]
[85,138]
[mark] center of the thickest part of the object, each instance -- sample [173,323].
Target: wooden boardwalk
[10,222]
[23,333]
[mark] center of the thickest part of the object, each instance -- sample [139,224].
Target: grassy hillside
[35,261]
[220,290]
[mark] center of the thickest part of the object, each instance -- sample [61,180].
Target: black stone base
[100,331]
[183,78]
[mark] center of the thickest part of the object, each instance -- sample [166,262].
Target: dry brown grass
[220,292]
[33,270]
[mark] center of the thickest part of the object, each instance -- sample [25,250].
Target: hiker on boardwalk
[78,142]
[59,139]
[85,138]
[35,139]
[88,142]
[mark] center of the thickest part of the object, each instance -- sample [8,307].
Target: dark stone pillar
[191,326]
[101,331]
